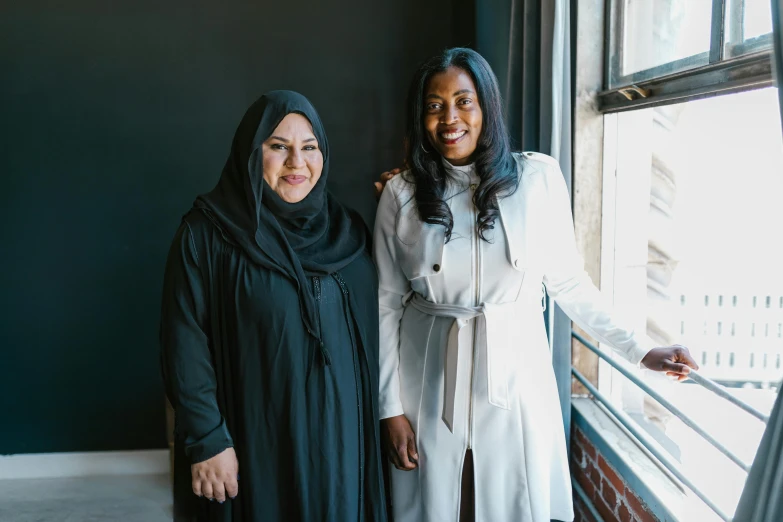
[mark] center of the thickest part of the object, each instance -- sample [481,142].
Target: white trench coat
[464,353]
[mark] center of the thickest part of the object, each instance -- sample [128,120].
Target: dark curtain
[519,40]
[762,498]
[508,35]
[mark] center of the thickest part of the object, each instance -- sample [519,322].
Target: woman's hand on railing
[675,360]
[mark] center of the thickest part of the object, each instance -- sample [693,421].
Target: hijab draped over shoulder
[315,236]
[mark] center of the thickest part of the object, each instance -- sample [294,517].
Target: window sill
[664,496]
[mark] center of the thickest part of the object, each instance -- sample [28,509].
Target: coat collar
[425,242]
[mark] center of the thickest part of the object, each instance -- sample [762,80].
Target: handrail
[646,441]
[709,384]
[720,391]
[665,403]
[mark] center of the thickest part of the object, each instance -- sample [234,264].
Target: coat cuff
[391,409]
[640,350]
[211,444]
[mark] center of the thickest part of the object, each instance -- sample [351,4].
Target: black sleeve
[185,354]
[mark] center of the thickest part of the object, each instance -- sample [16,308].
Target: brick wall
[603,485]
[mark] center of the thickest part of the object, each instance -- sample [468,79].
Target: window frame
[721,70]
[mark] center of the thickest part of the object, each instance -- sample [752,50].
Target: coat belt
[492,335]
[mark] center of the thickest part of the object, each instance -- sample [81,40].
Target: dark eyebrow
[462,91]
[308,140]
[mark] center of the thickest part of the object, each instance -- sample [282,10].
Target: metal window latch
[634,92]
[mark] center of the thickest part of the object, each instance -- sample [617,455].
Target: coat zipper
[357,378]
[477,297]
[325,355]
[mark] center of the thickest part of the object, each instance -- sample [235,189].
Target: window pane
[697,261]
[757,19]
[748,26]
[658,32]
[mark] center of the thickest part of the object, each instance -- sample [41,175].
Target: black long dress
[244,373]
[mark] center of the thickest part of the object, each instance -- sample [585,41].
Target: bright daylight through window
[696,200]
[691,210]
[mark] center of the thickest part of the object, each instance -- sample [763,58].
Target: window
[666,51]
[692,174]
[655,37]
[748,26]
[690,209]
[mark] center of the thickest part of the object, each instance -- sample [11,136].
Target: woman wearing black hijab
[269,336]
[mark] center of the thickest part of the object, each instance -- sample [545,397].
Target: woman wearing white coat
[465,242]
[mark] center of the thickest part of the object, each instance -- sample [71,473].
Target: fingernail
[232,498]
[221,501]
[212,500]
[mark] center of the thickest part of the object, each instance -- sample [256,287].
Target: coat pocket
[420,245]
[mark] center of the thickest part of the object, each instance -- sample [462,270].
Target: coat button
[436,267]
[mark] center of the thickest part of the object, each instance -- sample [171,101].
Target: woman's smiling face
[292,160]
[452,115]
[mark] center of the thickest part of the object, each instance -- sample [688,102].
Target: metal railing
[646,440]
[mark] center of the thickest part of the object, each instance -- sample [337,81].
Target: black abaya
[269,334]
[243,372]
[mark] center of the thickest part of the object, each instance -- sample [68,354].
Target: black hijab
[315,236]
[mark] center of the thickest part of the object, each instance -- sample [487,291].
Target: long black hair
[494,163]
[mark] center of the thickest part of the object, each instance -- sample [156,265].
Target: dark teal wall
[114,116]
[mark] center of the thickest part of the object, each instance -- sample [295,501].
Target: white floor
[118,498]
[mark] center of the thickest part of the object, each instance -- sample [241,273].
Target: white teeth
[452,135]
